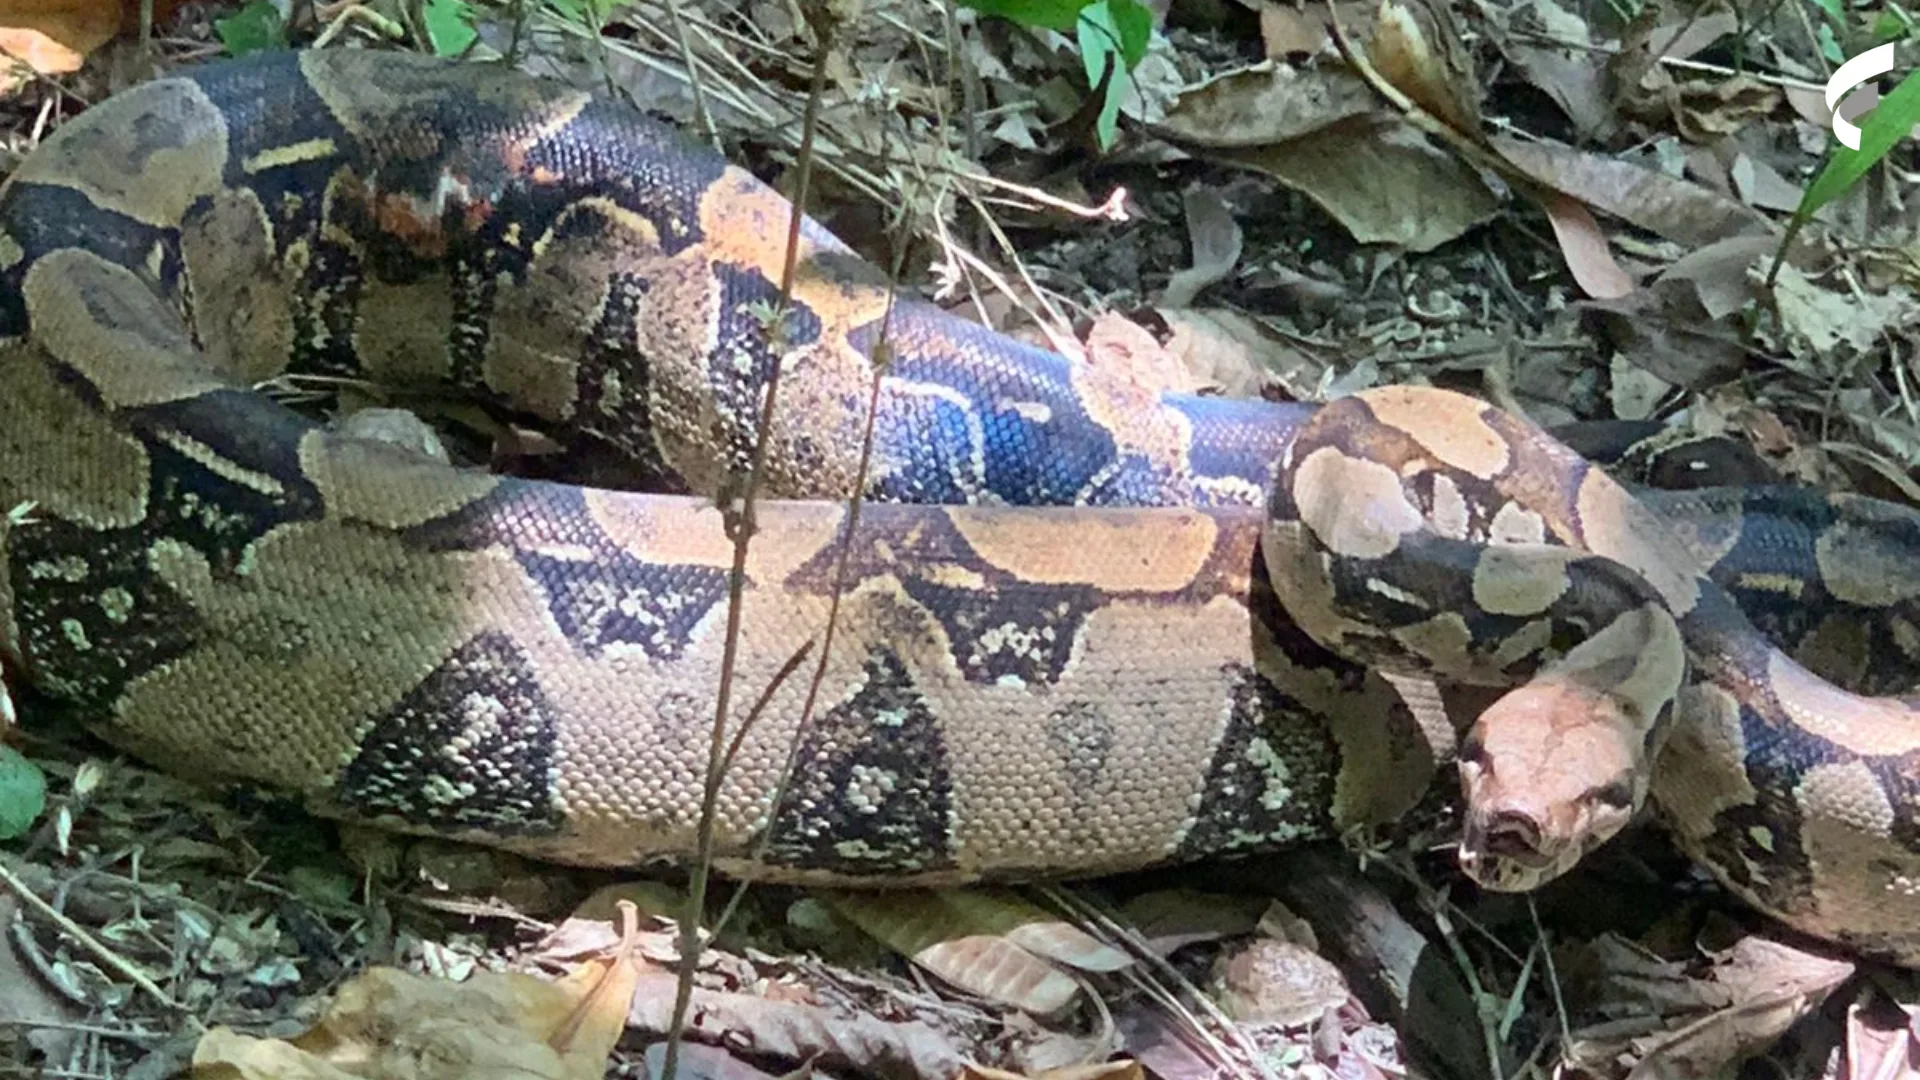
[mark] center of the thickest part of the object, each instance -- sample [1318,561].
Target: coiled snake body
[1083,625]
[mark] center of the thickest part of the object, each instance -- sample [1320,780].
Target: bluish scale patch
[1045,451]
[646,166]
[936,439]
[1238,439]
[522,514]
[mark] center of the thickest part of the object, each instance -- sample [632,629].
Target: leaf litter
[1575,216]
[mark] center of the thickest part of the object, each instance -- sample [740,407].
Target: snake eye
[1617,795]
[1472,751]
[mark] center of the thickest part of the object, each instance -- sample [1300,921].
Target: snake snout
[1512,834]
[1548,774]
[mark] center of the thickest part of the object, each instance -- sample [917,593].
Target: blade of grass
[1887,124]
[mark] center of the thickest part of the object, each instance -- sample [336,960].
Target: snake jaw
[1547,775]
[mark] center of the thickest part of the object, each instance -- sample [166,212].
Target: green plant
[449,26]
[1887,124]
[1112,36]
[254,27]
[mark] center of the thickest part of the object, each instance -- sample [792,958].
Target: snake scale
[1083,625]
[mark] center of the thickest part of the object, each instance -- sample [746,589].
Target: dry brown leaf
[1821,330]
[988,942]
[1689,1020]
[1170,919]
[1415,48]
[1717,278]
[1236,353]
[1573,77]
[1268,981]
[1760,185]
[1264,104]
[1771,986]
[1678,210]
[800,1031]
[1881,1042]
[1585,247]
[53,37]
[1646,88]
[1678,346]
[1633,391]
[1707,110]
[1290,31]
[1215,239]
[1382,180]
[388,1023]
[603,988]
[1318,130]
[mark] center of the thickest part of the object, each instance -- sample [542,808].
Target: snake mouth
[1508,852]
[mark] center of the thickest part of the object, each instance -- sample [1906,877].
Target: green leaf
[1829,45]
[1112,31]
[1098,40]
[253,28]
[449,26]
[1133,22]
[1061,15]
[23,793]
[1888,123]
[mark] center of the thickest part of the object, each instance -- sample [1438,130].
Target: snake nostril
[1511,834]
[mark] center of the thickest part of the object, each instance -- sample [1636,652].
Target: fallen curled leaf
[1415,48]
[1585,247]
[1381,179]
[800,1031]
[1115,340]
[1676,209]
[1771,986]
[388,1024]
[1237,355]
[1689,1019]
[1706,110]
[985,941]
[1263,104]
[1319,129]
[1215,239]
[1548,52]
[53,37]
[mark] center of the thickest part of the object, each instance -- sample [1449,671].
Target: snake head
[1549,772]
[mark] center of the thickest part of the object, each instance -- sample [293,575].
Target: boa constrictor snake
[1083,625]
